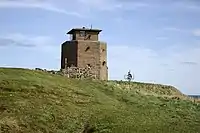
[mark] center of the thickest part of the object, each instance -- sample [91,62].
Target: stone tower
[85,49]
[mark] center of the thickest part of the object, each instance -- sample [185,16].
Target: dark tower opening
[87,48]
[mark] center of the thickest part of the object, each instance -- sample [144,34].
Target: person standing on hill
[129,76]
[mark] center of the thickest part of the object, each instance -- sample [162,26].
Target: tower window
[104,63]
[73,36]
[87,37]
[103,50]
[82,33]
[87,49]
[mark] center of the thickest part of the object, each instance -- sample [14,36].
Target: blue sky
[158,40]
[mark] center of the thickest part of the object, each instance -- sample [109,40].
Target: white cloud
[173,29]
[161,38]
[88,7]
[29,51]
[178,6]
[196,32]
[45,5]
[113,5]
[42,43]
[85,7]
[189,5]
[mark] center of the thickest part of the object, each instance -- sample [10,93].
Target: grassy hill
[38,102]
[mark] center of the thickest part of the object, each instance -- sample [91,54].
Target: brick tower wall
[93,53]
[89,54]
[69,51]
[103,60]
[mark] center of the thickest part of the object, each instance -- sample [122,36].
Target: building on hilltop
[84,49]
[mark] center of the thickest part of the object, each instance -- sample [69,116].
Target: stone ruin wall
[77,72]
[74,72]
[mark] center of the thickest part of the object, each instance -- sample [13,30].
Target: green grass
[38,102]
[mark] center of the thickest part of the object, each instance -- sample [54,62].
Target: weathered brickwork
[103,60]
[79,73]
[81,52]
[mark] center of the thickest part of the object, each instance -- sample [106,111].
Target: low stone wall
[73,72]
[79,73]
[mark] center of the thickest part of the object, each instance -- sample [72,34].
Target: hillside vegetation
[39,102]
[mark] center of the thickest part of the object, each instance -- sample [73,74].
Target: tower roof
[83,29]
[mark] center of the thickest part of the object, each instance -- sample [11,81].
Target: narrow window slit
[87,49]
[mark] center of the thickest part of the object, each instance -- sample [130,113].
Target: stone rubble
[73,72]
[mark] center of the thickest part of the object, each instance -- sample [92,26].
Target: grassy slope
[37,102]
